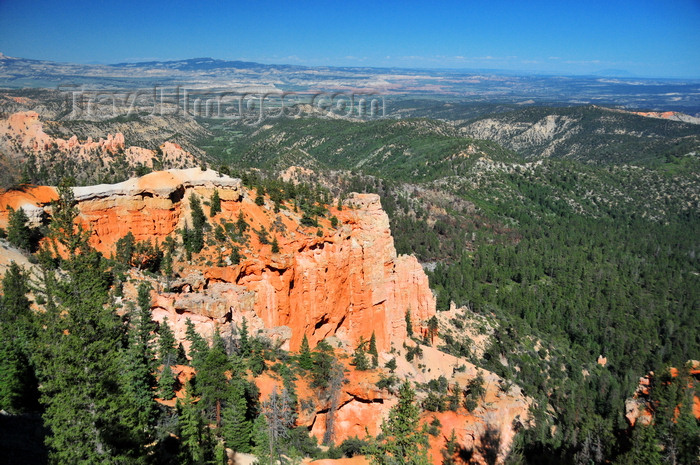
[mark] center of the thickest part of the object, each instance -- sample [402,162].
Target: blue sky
[645,38]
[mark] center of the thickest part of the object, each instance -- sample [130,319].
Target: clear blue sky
[644,37]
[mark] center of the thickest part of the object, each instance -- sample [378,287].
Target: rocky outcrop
[640,408]
[547,133]
[348,282]
[669,115]
[22,134]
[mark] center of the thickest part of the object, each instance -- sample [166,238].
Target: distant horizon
[643,38]
[602,73]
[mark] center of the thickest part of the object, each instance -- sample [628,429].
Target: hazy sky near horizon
[648,38]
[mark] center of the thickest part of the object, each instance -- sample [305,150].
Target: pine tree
[373,350]
[198,346]
[138,377]
[14,304]
[450,450]
[165,383]
[404,442]
[685,432]
[79,357]
[263,236]
[241,223]
[18,233]
[211,379]
[237,428]
[432,328]
[244,341]
[323,360]
[166,343]
[455,398]
[214,204]
[125,248]
[18,384]
[304,357]
[220,457]
[235,256]
[166,266]
[409,323]
[275,246]
[199,222]
[191,427]
[261,437]
[359,359]
[645,448]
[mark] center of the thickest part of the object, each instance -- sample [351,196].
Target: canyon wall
[347,283]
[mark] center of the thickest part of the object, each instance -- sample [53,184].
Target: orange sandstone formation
[639,407]
[347,283]
[23,133]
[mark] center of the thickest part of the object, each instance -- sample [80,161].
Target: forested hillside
[567,238]
[569,260]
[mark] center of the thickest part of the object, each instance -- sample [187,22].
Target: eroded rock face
[349,282]
[22,134]
[639,408]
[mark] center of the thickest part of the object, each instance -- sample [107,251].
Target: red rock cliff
[348,283]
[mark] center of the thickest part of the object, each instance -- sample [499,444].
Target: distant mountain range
[473,86]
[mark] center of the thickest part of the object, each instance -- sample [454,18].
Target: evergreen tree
[235,256]
[237,429]
[409,323]
[125,248]
[244,341]
[199,222]
[404,442]
[275,246]
[214,204]
[455,398]
[645,448]
[373,350]
[198,346]
[18,233]
[14,304]
[449,452]
[262,450]
[359,359]
[211,379]
[192,430]
[79,358]
[432,328]
[241,223]
[138,377]
[263,236]
[323,360]
[304,357]
[18,384]
[166,343]
[684,439]
[220,457]
[256,361]
[165,383]
[166,266]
